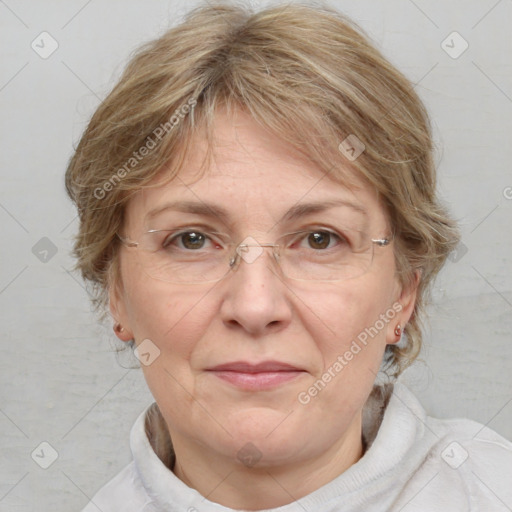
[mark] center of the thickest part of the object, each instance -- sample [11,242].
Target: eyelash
[176,235]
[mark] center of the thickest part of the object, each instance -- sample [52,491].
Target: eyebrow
[295,212]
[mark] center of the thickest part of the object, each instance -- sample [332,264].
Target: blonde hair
[307,74]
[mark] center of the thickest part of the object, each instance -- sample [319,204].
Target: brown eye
[191,240]
[319,239]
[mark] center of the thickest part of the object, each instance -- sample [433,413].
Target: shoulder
[131,489]
[464,466]
[124,489]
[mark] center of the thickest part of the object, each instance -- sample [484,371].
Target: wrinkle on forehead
[246,151]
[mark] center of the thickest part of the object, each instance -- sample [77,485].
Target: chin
[264,435]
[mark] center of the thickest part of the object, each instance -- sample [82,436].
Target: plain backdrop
[61,382]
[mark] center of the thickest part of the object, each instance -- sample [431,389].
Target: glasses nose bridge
[242,252]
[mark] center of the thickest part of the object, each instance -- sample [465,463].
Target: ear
[118,311]
[404,305]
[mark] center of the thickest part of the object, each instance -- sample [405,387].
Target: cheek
[339,313]
[350,339]
[169,315]
[175,320]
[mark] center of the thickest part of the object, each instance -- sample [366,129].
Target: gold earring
[398,330]
[118,328]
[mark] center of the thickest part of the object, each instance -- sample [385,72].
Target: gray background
[61,381]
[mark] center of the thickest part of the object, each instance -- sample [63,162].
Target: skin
[255,314]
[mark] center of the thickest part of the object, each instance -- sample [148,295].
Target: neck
[227,482]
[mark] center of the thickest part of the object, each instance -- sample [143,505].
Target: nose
[256,297]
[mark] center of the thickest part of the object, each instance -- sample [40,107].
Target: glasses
[192,255]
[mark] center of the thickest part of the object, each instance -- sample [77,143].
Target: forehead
[253,173]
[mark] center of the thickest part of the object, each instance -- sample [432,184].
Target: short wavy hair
[306,73]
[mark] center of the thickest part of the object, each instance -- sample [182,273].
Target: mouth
[256,377]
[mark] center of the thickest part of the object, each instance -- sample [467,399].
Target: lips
[256,377]
[265,366]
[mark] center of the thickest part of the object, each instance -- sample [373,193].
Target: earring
[118,328]
[398,330]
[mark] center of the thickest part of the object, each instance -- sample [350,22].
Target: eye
[321,239]
[187,240]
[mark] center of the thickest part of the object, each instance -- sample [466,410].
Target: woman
[258,212]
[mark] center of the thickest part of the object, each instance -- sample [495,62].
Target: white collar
[388,447]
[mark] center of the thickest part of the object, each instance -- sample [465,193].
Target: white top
[414,463]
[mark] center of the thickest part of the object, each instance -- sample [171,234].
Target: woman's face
[332,333]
